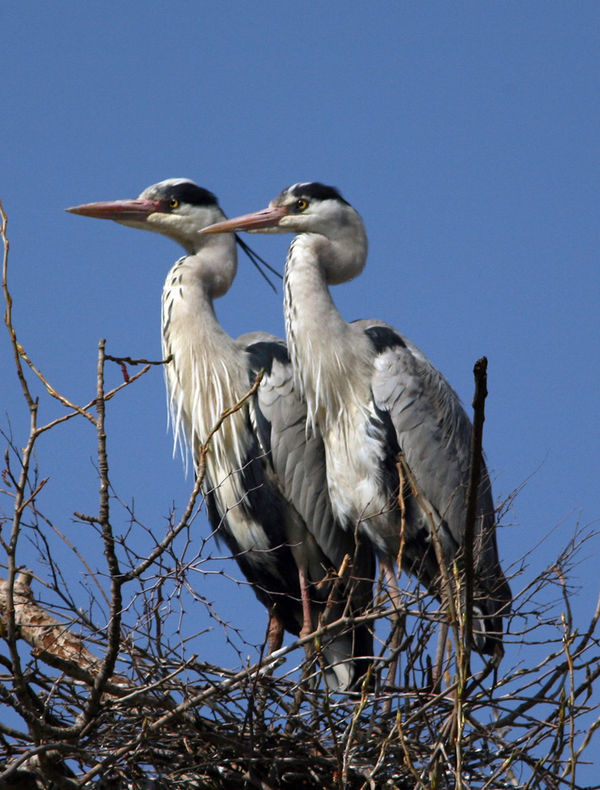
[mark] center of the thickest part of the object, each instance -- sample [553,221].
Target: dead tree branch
[109,688]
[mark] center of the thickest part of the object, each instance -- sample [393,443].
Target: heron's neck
[206,374]
[329,356]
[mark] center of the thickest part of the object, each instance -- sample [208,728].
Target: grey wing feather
[298,461]
[434,434]
[298,457]
[257,337]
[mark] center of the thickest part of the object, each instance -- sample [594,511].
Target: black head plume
[257,261]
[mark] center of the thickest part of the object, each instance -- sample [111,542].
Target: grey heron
[265,485]
[372,394]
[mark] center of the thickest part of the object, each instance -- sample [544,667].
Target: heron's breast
[231,498]
[355,454]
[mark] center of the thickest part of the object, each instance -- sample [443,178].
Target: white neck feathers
[207,372]
[329,356]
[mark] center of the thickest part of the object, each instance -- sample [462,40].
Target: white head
[340,239]
[179,209]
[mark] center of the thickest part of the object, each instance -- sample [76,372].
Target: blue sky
[466,134]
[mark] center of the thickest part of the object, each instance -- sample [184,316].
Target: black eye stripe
[183,191]
[188,192]
[317,191]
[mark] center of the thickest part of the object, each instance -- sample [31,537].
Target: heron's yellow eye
[173,203]
[301,204]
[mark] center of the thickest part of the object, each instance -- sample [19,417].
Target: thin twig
[116,582]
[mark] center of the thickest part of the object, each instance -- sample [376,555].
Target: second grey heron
[375,397]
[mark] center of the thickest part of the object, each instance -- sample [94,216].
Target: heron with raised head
[265,484]
[397,439]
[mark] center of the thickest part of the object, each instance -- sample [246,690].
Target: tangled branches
[107,686]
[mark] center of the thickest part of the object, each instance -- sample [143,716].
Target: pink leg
[274,630]
[392,584]
[394,593]
[307,625]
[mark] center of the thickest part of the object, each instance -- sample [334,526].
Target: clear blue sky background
[465,133]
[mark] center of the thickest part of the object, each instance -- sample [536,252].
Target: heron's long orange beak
[119,209]
[259,220]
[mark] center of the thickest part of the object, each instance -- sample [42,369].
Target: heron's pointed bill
[263,220]
[118,210]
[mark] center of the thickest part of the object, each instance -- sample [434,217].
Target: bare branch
[135,705]
[52,642]
[480,374]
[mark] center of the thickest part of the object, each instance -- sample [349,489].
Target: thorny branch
[110,691]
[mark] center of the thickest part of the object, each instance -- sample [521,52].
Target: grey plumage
[265,484]
[375,397]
